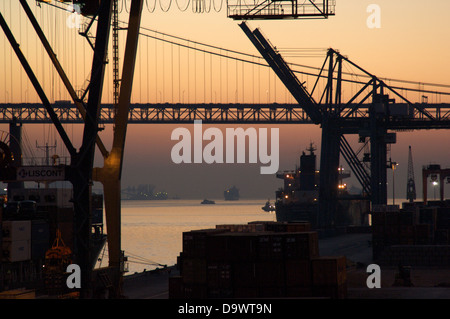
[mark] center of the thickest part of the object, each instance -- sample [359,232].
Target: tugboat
[268,207]
[207,202]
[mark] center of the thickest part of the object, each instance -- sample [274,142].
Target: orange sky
[411,45]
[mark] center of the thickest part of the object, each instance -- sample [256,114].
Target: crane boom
[285,74]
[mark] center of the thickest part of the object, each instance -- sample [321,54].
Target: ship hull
[297,212]
[349,212]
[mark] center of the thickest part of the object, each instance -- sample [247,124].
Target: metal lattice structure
[280,9]
[273,113]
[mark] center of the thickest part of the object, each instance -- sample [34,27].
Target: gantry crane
[81,172]
[337,118]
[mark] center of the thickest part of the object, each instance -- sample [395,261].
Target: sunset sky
[411,44]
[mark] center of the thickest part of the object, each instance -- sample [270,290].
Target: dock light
[435,183]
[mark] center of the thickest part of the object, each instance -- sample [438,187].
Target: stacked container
[226,263]
[411,226]
[40,238]
[16,241]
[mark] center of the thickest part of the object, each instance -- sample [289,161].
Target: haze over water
[153,230]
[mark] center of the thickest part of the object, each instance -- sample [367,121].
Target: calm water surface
[152,230]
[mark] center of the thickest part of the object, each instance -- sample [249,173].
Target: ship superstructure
[298,199]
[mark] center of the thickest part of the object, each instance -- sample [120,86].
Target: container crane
[81,172]
[336,118]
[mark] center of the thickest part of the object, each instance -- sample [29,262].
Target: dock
[428,282]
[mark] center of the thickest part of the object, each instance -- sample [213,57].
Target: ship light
[286,196]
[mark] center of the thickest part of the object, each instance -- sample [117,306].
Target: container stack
[413,225]
[16,240]
[53,206]
[257,260]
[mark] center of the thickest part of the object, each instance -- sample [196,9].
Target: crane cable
[138,259]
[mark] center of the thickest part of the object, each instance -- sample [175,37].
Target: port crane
[334,116]
[337,118]
[81,172]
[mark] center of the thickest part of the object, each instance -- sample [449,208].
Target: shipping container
[270,246]
[60,197]
[216,293]
[422,234]
[329,270]
[392,218]
[40,238]
[298,273]
[269,274]
[443,218]
[40,230]
[14,230]
[18,250]
[441,237]
[297,227]
[230,246]
[272,292]
[245,292]
[194,271]
[407,218]
[299,292]
[378,218]
[194,242]
[194,291]
[219,275]
[244,228]
[336,291]
[427,215]
[303,245]
[244,274]
[176,287]
[378,232]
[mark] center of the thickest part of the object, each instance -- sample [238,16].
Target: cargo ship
[231,193]
[298,199]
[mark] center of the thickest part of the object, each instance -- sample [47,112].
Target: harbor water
[152,230]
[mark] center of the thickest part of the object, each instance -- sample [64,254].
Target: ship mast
[410,185]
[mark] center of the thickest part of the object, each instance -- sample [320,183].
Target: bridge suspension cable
[292,52]
[207,63]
